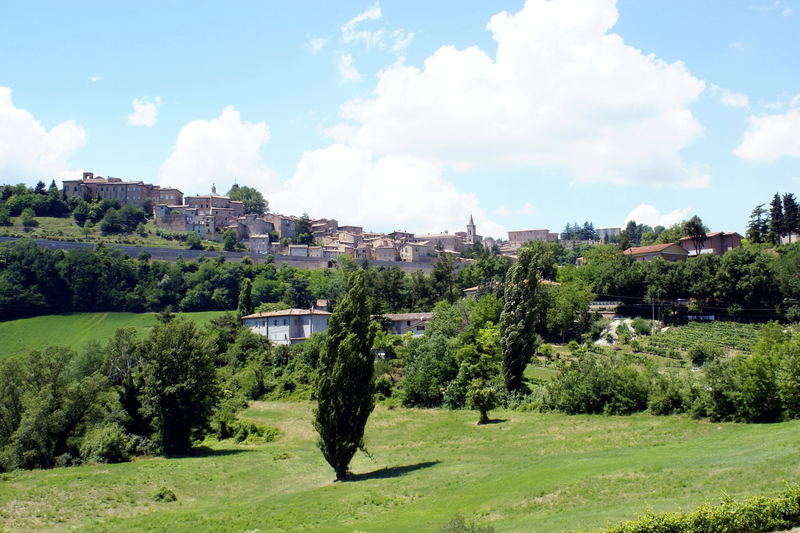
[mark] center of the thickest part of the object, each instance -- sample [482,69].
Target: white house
[416,323]
[290,326]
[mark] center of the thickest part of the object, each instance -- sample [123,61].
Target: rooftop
[287,312]
[653,248]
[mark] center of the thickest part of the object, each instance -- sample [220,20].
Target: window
[408,322]
[275,322]
[420,328]
[284,321]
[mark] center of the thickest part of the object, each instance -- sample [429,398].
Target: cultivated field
[76,329]
[527,472]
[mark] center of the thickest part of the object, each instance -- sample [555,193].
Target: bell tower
[470,231]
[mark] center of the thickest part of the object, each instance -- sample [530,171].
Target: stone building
[125,192]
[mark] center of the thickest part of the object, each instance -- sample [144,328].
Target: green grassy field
[65,229]
[528,472]
[75,330]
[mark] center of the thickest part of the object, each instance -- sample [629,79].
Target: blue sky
[411,115]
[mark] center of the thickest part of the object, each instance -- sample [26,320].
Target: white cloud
[382,193]
[29,151]
[648,214]
[401,40]
[730,98]
[145,111]
[738,45]
[347,69]
[95,78]
[786,12]
[770,137]
[562,91]
[351,33]
[221,150]
[316,44]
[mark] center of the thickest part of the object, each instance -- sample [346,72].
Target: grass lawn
[528,472]
[65,229]
[76,329]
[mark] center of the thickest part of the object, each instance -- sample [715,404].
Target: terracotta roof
[287,312]
[654,248]
[714,234]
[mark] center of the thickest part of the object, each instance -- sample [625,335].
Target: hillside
[75,330]
[529,472]
[65,229]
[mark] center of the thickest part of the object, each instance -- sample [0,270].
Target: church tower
[470,231]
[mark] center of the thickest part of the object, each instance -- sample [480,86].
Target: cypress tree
[344,385]
[791,214]
[775,220]
[246,298]
[522,310]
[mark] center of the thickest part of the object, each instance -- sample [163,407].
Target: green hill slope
[529,472]
[75,330]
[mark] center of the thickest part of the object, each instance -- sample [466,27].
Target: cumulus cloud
[145,111]
[347,69]
[221,150]
[730,98]
[770,137]
[29,151]
[316,44]
[384,193]
[561,91]
[95,78]
[650,215]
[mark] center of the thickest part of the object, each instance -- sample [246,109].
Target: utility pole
[653,321]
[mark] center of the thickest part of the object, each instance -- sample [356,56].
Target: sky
[413,114]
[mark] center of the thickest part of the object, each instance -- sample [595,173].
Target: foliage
[701,353]
[253,200]
[229,240]
[523,310]
[344,386]
[27,218]
[179,386]
[599,385]
[460,524]
[193,241]
[105,444]
[756,515]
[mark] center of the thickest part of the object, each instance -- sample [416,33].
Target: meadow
[76,329]
[525,472]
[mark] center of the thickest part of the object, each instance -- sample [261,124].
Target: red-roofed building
[668,252]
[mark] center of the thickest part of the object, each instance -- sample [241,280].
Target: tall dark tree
[444,276]
[246,298]
[694,229]
[758,227]
[179,388]
[776,222]
[302,229]
[40,188]
[522,310]
[344,386]
[791,214]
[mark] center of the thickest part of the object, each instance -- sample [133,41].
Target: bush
[756,515]
[27,218]
[164,495]
[641,326]
[669,394]
[547,351]
[105,444]
[460,524]
[599,385]
[700,354]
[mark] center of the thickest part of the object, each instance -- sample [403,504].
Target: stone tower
[471,231]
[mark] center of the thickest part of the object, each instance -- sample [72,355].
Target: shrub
[164,494]
[247,432]
[547,351]
[641,326]
[756,515]
[27,218]
[700,354]
[105,444]
[460,524]
[599,384]
[669,394]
